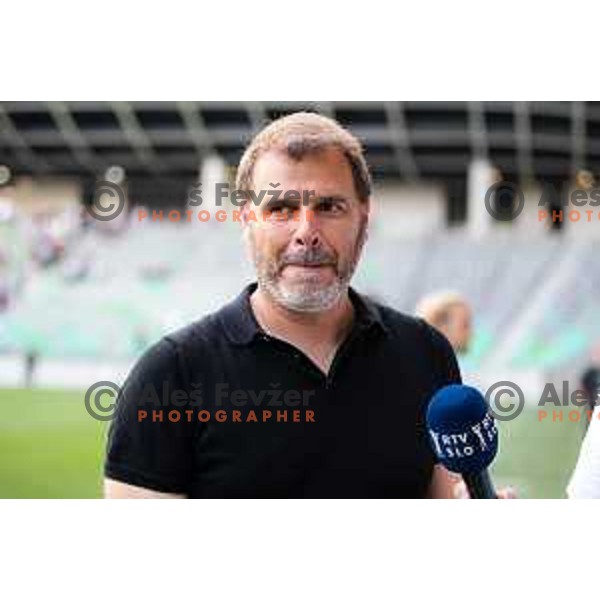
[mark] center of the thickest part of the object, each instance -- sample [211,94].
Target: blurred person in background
[30,366]
[585,480]
[451,315]
[4,279]
[585,180]
[46,247]
[4,295]
[590,381]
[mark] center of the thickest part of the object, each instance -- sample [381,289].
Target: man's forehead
[327,169]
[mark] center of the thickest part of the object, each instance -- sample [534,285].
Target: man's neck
[326,328]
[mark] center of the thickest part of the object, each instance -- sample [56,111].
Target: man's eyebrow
[281,200]
[307,200]
[328,198]
[333,197]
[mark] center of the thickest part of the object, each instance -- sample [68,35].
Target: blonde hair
[435,308]
[303,133]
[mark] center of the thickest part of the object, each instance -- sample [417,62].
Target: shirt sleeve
[151,452]
[585,481]
[446,366]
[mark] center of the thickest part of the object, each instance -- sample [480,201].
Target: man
[450,314]
[364,372]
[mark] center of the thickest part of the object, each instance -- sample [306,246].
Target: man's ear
[366,208]
[244,214]
[246,224]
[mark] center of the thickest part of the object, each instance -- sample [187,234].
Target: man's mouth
[309,265]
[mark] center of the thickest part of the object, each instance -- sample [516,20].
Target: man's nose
[307,233]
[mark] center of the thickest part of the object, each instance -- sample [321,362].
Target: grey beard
[304,296]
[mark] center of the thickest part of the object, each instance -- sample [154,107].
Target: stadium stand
[123,299]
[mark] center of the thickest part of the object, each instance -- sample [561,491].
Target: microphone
[464,436]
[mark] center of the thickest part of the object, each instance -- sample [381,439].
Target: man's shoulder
[194,343]
[395,318]
[213,325]
[169,352]
[398,322]
[409,330]
[414,336]
[205,330]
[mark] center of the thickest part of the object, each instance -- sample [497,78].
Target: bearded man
[308,388]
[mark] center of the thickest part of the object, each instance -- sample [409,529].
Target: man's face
[305,261]
[459,328]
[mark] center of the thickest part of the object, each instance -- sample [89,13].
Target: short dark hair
[305,133]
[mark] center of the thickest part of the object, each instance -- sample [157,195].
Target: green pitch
[51,448]
[537,457]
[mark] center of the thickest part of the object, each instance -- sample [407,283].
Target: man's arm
[116,490]
[147,458]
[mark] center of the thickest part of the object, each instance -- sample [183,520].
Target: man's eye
[331,206]
[281,208]
[282,211]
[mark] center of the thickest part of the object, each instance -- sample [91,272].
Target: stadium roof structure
[403,140]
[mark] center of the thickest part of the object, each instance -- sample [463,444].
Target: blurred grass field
[50,447]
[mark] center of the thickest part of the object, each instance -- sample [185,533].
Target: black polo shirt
[221,409]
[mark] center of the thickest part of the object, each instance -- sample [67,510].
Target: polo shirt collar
[241,326]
